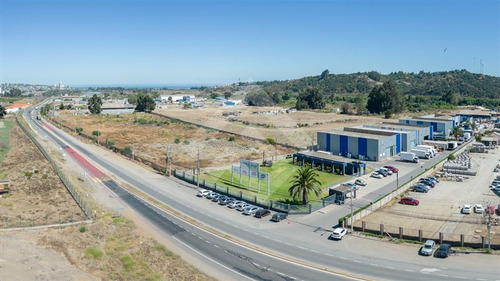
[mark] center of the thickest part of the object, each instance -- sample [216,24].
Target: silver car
[250,210]
[242,207]
[428,248]
[234,204]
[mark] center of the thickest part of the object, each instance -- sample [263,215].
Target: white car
[377,175]
[428,248]
[466,209]
[389,172]
[234,204]
[478,209]
[241,207]
[338,233]
[202,193]
[250,210]
[360,182]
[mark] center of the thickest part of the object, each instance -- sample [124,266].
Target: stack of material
[462,165]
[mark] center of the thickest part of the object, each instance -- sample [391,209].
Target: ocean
[143,86]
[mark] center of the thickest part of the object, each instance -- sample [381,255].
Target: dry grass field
[148,135]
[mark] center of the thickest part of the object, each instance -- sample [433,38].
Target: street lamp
[352,226]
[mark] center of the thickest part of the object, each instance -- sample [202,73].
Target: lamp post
[352,227]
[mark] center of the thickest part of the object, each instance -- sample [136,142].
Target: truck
[424,154]
[452,145]
[409,157]
[432,151]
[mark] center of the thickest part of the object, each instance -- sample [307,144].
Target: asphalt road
[240,262]
[377,267]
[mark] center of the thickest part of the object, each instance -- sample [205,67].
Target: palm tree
[304,182]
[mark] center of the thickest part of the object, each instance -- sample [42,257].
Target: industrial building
[326,161]
[369,145]
[440,127]
[415,133]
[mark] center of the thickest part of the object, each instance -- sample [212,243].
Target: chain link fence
[82,203]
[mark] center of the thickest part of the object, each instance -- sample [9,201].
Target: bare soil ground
[37,195]
[439,209]
[295,128]
[149,135]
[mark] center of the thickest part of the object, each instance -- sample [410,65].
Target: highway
[241,261]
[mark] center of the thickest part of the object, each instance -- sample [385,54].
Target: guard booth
[340,192]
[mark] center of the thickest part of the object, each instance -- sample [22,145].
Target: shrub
[232,138]
[177,140]
[96,133]
[94,252]
[79,130]
[186,142]
[127,150]
[451,157]
[128,262]
[109,143]
[270,141]
[83,229]
[207,138]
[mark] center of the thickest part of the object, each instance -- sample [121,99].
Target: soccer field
[281,174]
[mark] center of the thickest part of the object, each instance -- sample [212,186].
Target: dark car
[392,168]
[427,182]
[443,251]
[279,217]
[420,188]
[217,197]
[409,201]
[383,172]
[225,201]
[498,209]
[262,213]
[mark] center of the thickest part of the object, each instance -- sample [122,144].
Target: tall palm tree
[305,181]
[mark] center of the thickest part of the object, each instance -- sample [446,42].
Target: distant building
[13,108]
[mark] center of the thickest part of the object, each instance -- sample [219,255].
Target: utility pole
[198,173]
[352,220]
[133,151]
[168,170]
[488,225]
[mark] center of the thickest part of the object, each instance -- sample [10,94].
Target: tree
[3,112]
[227,95]
[305,181]
[450,97]
[259,98]
[345,108]
[324,74]
[311,98]
[61,106]
[145,103]
[170,99]
[13,93]
[385,97]
[360,105]
[186,105]
[213,95]
[94,104]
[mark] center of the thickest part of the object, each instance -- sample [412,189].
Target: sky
[89,42]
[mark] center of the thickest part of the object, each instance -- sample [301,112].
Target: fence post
[215,186]
[483,241]
[323,201]
[270,204]
[381,229]
[400,232]
[255,199]
[363,226]
[227,189]
[310,208]
[241,194]
[461,240]
[288,208]
[204,183]
[440,238]
[420,235]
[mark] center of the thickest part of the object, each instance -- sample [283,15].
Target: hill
[462,82]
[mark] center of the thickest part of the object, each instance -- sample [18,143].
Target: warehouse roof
[399,125]
[475,113]
[355,134]
[438,120]
[325,156]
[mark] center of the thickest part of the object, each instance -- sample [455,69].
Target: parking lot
[439,210]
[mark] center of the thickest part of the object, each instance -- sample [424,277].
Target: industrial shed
[406,139]
[440,128]
[418,133]
[364,146]
[324,161]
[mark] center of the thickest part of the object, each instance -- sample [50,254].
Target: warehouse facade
[415,134]
[406,139]
[373,146]
[439,128]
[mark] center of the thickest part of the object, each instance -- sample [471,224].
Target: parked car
[420,188]
[218,197]
[351,184]
[428,248]
[211,195]
[478,209]
[427,182]
[338,233]
[262,213]
[377,175]
[490,209]
[392,168]
[203,192]
[466,209]
[443,251]
[250,210]
[277,217]
[384,172]
[409,201]
[234,204]
[242,207]
[360,182]
[225,201]
[498,209]
[434,178]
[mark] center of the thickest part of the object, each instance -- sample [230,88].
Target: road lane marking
[216,246]
[461,277]
[357,261]
[207,241]
[342,258]
[408,270]
[443,275]
[373,264]
[389,267]
[314,251]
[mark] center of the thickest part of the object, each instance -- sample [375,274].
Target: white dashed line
[207,241]
[443,275]
[342,258]
[356,261]
[330,255]
[216,246]
[314,251]
[389,267]
[373,264]
[288,244]
[461,277]
[255,233]
[201,238]
[279,273]
[408,270]
[193,234]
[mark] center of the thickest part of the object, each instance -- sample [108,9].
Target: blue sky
[184,42]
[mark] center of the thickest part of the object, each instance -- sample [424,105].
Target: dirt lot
[108,249]
[37,195]
[295,128]
[439,209]
[149,135]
